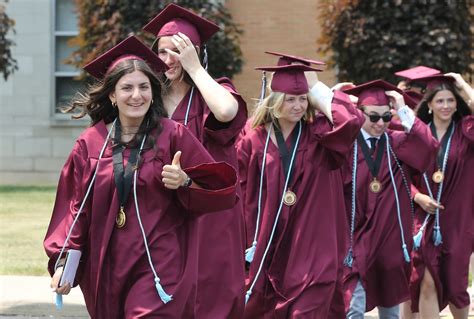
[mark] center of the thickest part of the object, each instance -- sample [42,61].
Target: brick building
[35,137]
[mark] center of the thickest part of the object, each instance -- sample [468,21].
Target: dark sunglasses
[374,118]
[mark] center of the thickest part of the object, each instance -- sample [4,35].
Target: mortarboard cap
[289,79]
[373,93]
[412,98]
[417,72]
[435,80]
[173,19]
[130,48]
[287,59]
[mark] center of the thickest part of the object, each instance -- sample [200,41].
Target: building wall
[34,145]
[283,26]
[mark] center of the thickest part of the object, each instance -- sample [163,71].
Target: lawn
[24,218]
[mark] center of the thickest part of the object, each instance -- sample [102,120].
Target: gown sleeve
[225,133]
[416,148]
[218,180]
[338,137]
[70,193]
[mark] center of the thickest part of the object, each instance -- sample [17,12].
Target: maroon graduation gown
[221,241]
[114,274]
[448,263]
[377,245]
[301,270]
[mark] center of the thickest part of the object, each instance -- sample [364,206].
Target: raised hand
[187,56]
[172,175]
[396,99]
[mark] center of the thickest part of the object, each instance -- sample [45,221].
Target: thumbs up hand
[173,176]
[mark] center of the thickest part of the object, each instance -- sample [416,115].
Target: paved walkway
[26,297]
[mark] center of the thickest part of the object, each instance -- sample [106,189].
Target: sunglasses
[374,118]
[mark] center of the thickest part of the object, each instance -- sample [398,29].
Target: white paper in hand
[69,272]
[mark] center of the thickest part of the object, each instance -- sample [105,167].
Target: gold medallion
[121,218]
[375,186]
[438,176]
[289,199]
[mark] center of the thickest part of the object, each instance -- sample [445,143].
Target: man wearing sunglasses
[378,200]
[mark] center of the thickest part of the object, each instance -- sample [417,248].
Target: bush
[367,40]
[8,65]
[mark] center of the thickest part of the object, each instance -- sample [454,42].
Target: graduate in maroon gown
[214,113]
[129,194]
[291,181]
[377,190]
[445,202]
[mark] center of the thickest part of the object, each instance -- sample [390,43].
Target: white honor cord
[249,252]
[85,197]
[392,179]
[163,295]
[189,106]
[438,195]
[249,292]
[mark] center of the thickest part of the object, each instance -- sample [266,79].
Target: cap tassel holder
[205,60]
[263,89]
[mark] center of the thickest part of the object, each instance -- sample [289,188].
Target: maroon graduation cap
[130,48]
[373,93]
[417,72]
[289,79]
[435,80]
[173,19]
[287,59]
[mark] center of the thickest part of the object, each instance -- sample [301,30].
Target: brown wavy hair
[95,100]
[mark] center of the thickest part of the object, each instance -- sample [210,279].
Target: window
[64,84]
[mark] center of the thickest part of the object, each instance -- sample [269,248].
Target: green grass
[25,212]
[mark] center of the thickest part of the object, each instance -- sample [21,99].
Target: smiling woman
[130,192]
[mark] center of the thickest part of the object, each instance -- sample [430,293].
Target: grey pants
[357,306]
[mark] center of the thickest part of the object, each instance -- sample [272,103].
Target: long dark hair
[95,100]
[462,109]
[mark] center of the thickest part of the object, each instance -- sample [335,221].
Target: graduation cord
[189,106]
[159,288]
[407,188]
[59,298]
[249,252]
[437,237]
[349,259]
[267,248]
[392,178]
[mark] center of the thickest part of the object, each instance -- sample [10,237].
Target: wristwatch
[187,182]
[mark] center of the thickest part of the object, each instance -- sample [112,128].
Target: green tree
[104,23]
[8,65]
[373,39]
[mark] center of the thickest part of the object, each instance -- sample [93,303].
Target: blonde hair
[268,110]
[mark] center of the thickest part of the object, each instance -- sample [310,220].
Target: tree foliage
[8,65]
[104,23]
[367,40]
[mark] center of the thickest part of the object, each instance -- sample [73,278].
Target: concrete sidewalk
[26,297]
[31,297]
